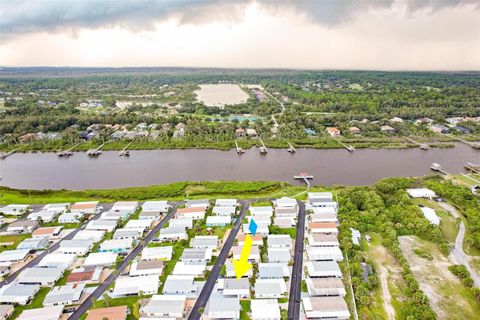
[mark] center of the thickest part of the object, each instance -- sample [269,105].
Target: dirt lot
[448,297]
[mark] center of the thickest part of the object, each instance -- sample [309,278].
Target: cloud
[32,16]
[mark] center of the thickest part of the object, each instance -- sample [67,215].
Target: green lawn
[448,225]
[15,239]
[276,230]
[245,305]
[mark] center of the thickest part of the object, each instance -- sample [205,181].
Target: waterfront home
[22,226]
[172,234]
[333,132]
[157,253]
[240,133]
[226,203]
[257,239]
[42,276]
[207,242]
[251,132]
[12,256]
[270,288]
[324,253]
[279,255]
[104,259]
[220,307]
[50,232]
[430,215]
[202,203]
[235,287]
[323,269]
[224,211]
[154,209]
[116,245]
[165,307]
[33,243]
[230,271]
[179,285]
[356,236]
[254,255]
[262,211]
[186,223]
[218,221]
[88,207]
[115,215]
[46,313]
[273,270]
[286,207]
[322,227]
[325,307]
[15,293]
[284,222]
[123,233]
[95,235]
[129,206]
[396,120]
[57,207]
[44,216]
[265,309]
[421,121]
[439,128]
[196,255]
[111,313]
[132,286]
[196,269]
[15,209]
[5,311]
[195,213]
[387,129]
[279,241]
[70,217]
[146,268]
[325,287]
[322,240]
[321,199]
[462,130]
[101,225]
[85,275]
[140,225]
[421,193]
[354,130]
[64,295]
[57,260]
[77,247]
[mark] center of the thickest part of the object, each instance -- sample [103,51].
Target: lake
[219,95]
[335,166]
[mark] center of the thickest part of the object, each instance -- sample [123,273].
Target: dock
[438,168]
[4,155]
[474,145]
[422,146]
[239,150]
[263,148]
[125,152]
[349,148]
[67,153]
[95,152]
[475,168]
[305,177]
[291,148]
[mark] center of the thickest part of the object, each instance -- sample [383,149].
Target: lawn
[292,232]
[244,312]
[14,239]
[37,302]
[448,225]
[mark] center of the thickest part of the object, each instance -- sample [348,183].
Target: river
[336,166]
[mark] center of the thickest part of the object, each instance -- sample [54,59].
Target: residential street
[296,280]
[222,257]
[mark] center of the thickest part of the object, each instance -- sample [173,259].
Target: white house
[146,268]
[325,308]
[157,253]
[128,286]
[70,217]
[265,309]
[279,241]
[103,225]
[46,313]
[123,233]
[77,247]
[140,225]
[421,193]
[196,269]
[279,255]
[88,207]
[270,288]
[324,253]
[12,256]
[322,240]
[165,307]
[203,203]
[218,221]
[64,295]
[41,276]
[224,211]
[129,206]
[15,209]
[323,269]
[154,209]
[172,234]
[179,285]
[430,215]
[57,207]
[226,202]
[57,260]
[95,235]
[192,255]
[262,211]
[195,213]
[325,287]
[220,307]
[207,242]
[116,245]
[254,255]
[15,293]
[235,287]
[100,259]
[45,216]
[186,223]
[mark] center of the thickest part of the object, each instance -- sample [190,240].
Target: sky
[296,34]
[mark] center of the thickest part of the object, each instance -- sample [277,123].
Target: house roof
[39,274]
[322,225]
[46,231]
[270,286]
[265,309]
[273,270]
[179,283]
[165,304]
[84,205]
[112,313]
[64,294]
[80,276]
[46,313]
[13,255]
[224,305]
[191,210]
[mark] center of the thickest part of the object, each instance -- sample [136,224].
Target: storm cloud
[21,17]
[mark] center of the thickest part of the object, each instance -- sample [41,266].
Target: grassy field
[14,239]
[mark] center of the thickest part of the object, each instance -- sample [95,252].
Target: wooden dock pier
[95,152]
[475,168]
[5,155]
[291,148]
[239,150]
[263,148]
[68,152]
[438,168]
[474,145]
[305,177]
[349,148]
[125,152]
[422,146]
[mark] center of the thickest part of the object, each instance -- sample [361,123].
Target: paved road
[458,254]
[222,257]
[120,268]
[52,248]
[296,279]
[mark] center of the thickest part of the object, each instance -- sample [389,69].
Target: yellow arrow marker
[242,265]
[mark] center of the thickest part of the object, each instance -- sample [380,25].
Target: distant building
[333,132]
[387,129]
[439,128]
[354,130]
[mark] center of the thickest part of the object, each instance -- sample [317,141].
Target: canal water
[363,167]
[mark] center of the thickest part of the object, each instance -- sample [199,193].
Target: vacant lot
[448,297]
[219,95]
